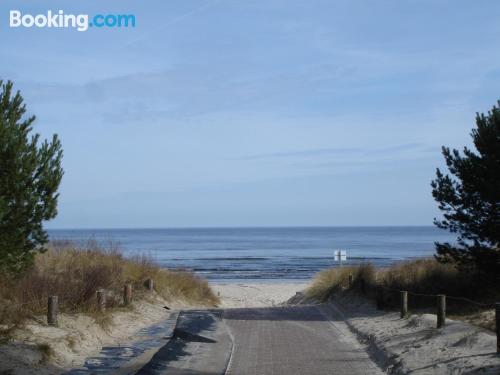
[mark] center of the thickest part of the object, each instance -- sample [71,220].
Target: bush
[328,282]
[75,274]
[423,276]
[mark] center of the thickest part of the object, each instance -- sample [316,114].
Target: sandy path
[256,295]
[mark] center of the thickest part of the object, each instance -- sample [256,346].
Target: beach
[264,255]
[79,337]
[248,319]
[235,295]
[398,346]
[395,345]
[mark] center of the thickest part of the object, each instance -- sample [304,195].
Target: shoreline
[258,281]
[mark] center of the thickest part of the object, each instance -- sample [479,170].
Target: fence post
[127,294]
[150,284]
[404,304]
[52,310]
[441,310]
[380,298]
[101,300]
[363,286]
[497,322]
[350,280]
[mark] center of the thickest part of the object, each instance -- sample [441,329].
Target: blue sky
[255,113]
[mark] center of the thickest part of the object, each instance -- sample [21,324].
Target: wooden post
[404,304]
[497,322]
[101,300]
[127,294]
[441,310]
[150,285]
[350,280]
[363,286]
[380,298]
[52,310]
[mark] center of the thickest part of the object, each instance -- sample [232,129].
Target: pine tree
[30,174]
[469,198]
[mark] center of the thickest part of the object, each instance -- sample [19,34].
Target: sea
[280,254]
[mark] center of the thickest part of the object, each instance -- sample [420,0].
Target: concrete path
[291,340]
[200,345]
[294,340]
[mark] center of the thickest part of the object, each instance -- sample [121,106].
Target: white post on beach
[340,255]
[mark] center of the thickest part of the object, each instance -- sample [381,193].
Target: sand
[37,348]
[256,294]
[400,346]
[414,345]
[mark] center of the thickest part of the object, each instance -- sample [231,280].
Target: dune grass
[75,274]
[330,281]
[423,276]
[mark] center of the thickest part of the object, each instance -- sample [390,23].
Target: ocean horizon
[264,254]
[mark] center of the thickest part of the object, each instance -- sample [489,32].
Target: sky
[255,113]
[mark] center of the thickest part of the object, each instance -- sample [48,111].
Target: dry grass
[424,276]
[75,274]
[170,284]
[330,281]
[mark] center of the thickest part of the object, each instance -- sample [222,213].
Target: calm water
[229,254]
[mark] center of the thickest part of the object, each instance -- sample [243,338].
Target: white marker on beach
[340,255]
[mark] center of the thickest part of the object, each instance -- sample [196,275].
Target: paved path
[200,345]
[293,340]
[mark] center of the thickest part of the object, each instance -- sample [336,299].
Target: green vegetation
[75,275]
[470,201]
[30,174]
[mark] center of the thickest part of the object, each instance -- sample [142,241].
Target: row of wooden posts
[440,306]
[403,298]
[53,301]
[52,308]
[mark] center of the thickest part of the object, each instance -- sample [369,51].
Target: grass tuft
[328,282]
[422,276]
[75,274]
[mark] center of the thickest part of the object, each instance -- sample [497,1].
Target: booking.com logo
[80,22]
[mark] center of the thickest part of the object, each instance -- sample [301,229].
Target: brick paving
[293,340]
